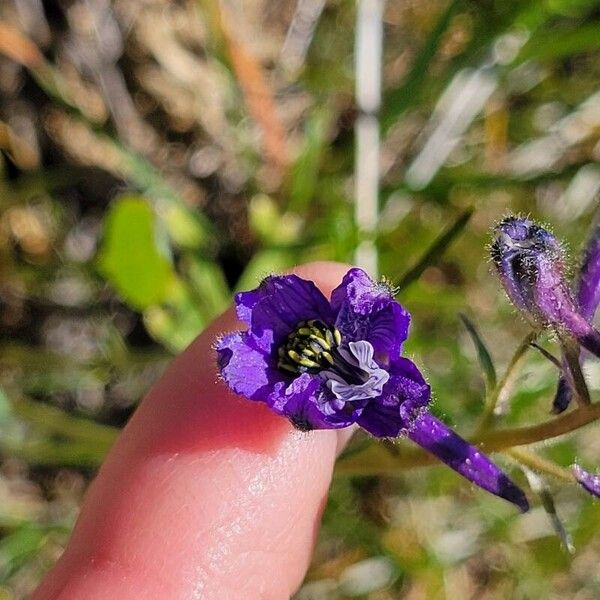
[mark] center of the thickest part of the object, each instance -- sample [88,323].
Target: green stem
[375,460]
[537,463]
[499,394]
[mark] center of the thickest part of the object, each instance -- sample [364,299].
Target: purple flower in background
[328,364]
[531,265]
[590,483]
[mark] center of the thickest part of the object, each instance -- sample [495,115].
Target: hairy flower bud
[531,265]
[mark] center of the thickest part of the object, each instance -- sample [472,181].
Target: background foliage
[156,156]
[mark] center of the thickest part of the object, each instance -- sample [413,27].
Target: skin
[204,495]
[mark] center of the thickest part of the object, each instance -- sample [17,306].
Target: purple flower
[531,265]
[590,483]
[328,364]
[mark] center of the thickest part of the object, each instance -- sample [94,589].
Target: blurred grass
[154,160]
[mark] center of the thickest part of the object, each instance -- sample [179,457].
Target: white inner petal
[359,354]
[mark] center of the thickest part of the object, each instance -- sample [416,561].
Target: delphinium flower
[530,262]
[329,364]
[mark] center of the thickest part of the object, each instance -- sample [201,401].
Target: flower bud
[530,262]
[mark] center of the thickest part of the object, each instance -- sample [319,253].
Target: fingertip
[218,480]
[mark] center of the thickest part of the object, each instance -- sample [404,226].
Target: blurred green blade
[55,421]
[498,400]
[55,453]
[560,44]
[262,264]
[133,257]
[187,228]
[434,252]
[17,547]
[305,172]
[539,486]
[179,320]
[396,101]
[209,286]
[483,354]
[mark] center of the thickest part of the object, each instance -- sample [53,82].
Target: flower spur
[329,364]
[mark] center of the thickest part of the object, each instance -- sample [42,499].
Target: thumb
[204,495]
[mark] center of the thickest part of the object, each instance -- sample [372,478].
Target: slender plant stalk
[498,396]
[537,463]
[435,250]
[538,485]
[570,350]
[376,460]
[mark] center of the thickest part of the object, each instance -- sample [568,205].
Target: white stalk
[368,50]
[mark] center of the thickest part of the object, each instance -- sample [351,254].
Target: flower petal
[367,311]
[590,483]
[245,368]
[306,404]
[245,303]
[362,352]
[588,287]
[435,437]
[382,420]
[279,303]
[403,398]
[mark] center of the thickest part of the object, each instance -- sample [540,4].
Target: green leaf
[55,421]
[305,172]
[264,263]
[134,256]
[176,323]
[53,452]
[18,547]
[396,101]
[435,251]
[498,399]
[483,354]
[208,284]
[559,44]
[270,225]
[187,228]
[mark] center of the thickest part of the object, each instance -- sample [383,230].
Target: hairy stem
[375,460]
[539,464]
